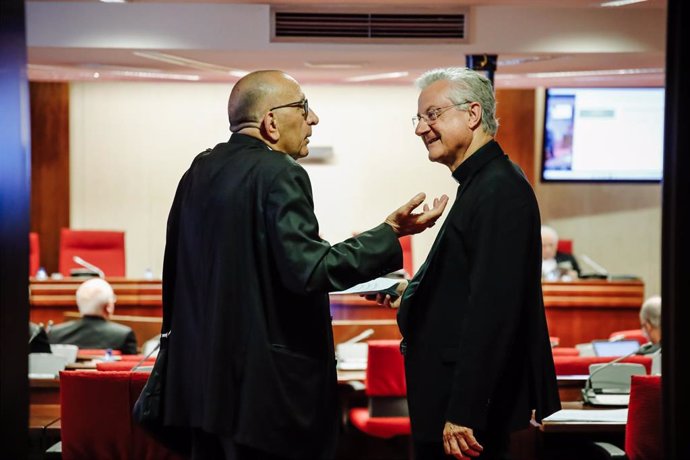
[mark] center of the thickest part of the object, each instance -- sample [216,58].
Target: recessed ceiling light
[114,1]
[621,2]
[595,73]
[186,62]
[378,76]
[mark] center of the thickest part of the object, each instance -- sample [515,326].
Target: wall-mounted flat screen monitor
[603,134]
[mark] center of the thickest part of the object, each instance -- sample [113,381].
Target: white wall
[131,142]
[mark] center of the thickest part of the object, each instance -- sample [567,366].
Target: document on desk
[370,287]
[576,415]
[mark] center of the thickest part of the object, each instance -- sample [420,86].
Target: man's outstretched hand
[406,222]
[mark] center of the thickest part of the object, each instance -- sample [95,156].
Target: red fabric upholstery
[406,244]
[124,365]
[554,341]
[385,377]
[104,249]
[579,365]
[630,334]
[385,374]
[96,420]
[565,246]
[565,351]
[34,253]
[381,427]
[643,436]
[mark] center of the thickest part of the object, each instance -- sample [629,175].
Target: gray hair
[93,295]
[466,85]
[651,311]
[550,231]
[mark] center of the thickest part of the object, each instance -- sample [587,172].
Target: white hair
[550,231]
[466,86]
[93,296]
[651,311]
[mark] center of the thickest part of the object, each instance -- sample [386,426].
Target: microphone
[36,332]
[79,261]
[588,391]
[597,268]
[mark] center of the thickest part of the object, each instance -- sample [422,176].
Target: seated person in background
[556,265]
[96,302]
[38,339]
[650,321]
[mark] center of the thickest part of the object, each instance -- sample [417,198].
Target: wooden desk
[44,428]
[50,299]
[44,391]
[576,312]
[581,311]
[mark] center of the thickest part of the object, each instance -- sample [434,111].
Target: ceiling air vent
[370,27]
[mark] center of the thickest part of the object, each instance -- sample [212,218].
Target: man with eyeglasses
[477,352]
[251,367]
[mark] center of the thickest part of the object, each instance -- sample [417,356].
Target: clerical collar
[476,161]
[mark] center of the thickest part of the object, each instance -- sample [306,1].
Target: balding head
[96,297]
[254,95]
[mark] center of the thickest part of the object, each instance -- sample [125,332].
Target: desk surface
[43,416]
[582,427]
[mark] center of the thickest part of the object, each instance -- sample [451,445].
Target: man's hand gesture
[405,222]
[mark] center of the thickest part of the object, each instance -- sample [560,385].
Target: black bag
[148,409]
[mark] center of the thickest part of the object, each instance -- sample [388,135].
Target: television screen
[603,134]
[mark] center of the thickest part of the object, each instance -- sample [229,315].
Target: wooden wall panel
[516,111]
[49,167]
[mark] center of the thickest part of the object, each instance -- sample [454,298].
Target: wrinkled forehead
[433,96]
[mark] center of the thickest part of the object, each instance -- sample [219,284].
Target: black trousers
[207,446]
[496,447]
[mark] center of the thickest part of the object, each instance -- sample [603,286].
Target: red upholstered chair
[34,253]
[104,249]
[386,389]
[124,365]
[96,420]
[406,244]
[643,432]
[630,334]
[565,246]
[565,351]
[579,365]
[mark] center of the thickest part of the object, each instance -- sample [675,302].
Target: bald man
[251,367]
[96,302]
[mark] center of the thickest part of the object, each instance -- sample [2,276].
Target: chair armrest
[609,451]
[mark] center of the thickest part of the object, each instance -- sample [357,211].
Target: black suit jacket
[473,322]
[95,332]
[245,280]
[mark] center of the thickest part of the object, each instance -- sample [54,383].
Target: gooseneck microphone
[79,261]
[646,349]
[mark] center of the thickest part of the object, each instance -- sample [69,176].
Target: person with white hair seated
[96,302]
[556,265]
[650,321]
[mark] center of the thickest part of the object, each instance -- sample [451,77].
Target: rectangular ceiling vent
[369,27]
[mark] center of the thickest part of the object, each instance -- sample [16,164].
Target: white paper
[576,415]
[370,287]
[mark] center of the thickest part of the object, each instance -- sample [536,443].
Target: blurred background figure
[96,302]
[38,339]
[650,321]
[556,265]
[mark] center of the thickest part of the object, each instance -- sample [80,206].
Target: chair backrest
[34,253]
[630,334]
[643,433]
[104,249]
[406,245]
[385,374]
[96,417]
[565,246]
[579,365]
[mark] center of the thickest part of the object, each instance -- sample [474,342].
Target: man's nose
[312,118]
[421,128]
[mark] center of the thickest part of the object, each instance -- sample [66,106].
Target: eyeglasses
[433,114]
[303,104]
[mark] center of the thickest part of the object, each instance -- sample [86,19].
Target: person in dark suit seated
[556,265]
[38,339]
[96,302]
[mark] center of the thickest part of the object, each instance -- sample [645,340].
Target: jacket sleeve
[307,263]
[499,242]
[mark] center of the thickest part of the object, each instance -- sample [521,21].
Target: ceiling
[538,42]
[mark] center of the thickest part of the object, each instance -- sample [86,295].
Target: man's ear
[475,113]
[269,126]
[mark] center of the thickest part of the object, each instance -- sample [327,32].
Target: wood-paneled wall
[515,110]
[50,197]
